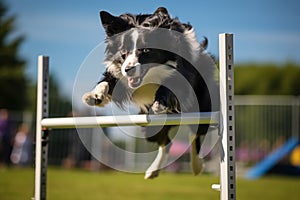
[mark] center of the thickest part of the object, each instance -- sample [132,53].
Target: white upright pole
[41,136]
[227,165]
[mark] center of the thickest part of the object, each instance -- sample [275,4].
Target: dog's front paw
[158,108]
[98,97]
[93,99]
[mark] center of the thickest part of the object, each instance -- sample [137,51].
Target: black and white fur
[150,77]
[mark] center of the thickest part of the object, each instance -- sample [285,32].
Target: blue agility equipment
[272,159]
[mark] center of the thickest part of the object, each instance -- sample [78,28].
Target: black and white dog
[156,62]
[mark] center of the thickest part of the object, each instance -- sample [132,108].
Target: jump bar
[211,118]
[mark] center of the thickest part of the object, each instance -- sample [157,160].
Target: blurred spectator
[5,138]
[243,152]
[21,153]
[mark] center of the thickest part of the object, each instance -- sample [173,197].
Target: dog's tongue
[133,80]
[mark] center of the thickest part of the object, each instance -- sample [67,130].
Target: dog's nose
[130,70]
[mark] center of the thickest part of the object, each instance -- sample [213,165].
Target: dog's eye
[146,50]
[146,24]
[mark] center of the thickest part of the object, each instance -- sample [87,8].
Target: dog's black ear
[162,11]
[112,24]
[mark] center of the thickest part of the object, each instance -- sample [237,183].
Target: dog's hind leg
[196,161]
[158,163]
[159,135]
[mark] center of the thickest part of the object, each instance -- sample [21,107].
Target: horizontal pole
[211,118]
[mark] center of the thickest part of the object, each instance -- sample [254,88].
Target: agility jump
[223,119]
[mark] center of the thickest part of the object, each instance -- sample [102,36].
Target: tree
[59,104]
[12,67]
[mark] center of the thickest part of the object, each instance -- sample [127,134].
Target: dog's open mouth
[134,82]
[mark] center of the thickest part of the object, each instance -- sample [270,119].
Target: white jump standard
[223,119]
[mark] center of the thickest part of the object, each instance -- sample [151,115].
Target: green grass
[17,184]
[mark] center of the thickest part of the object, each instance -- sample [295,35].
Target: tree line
[17,90]
[267,79]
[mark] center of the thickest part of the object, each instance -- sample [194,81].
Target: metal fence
[263,123]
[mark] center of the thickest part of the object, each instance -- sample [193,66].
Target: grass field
[17,184]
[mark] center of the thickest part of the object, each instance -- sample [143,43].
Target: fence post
[227,165]
[296,117]
[41,146]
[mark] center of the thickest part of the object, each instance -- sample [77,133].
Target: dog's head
[139,50]
[160,18]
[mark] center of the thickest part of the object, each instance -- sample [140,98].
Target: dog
[156,62]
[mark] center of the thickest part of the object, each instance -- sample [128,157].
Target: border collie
[156,62]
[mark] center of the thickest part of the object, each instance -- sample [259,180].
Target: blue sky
[67,31]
